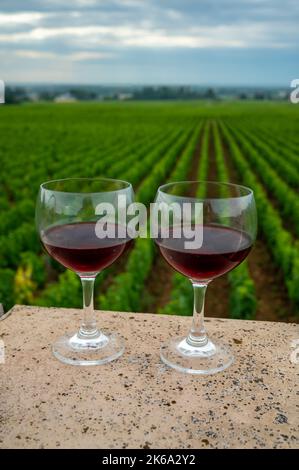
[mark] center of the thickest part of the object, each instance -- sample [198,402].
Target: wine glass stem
[197,335]
[88,327]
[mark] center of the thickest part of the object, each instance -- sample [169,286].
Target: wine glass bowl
[67,217]
[227,228]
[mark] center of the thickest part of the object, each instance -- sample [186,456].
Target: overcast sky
[209,42]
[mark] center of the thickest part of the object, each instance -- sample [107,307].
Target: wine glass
[224,228]
[76,222]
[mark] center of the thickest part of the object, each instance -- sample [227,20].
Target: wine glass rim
[173,183]
[127,185]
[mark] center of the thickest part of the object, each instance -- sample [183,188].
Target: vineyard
[255,144]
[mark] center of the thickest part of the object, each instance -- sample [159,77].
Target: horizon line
[154,84]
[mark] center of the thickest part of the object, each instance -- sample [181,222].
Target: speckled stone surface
[137,402]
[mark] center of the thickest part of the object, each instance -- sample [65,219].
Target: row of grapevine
[181,298]
[286,169]
[286,197]
[242,298]
[281,146]
[287,150]
[24,211]
[61,158]
[147,190]
[119,161]
[203,167]
[94,164]
[126,289]
[284,250]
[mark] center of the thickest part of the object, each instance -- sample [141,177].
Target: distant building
[124,96]
[33,96]
[281,95]
[65,98]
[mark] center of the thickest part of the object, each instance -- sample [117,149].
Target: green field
[255,144]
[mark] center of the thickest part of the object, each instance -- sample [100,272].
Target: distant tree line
[15,95]
[18,94]
[172,93]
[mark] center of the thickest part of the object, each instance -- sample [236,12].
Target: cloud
[222,36]
[74,56]
[31,54]
[133,31]
[10,20]
[152,23]
[89,55]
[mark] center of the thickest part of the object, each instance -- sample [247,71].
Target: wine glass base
[75,350]
[204,360]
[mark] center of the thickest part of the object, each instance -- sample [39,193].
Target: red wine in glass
[216,245]
[77,247]
[73,207]
[223,249]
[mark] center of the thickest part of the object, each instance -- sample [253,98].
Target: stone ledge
[136,401]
